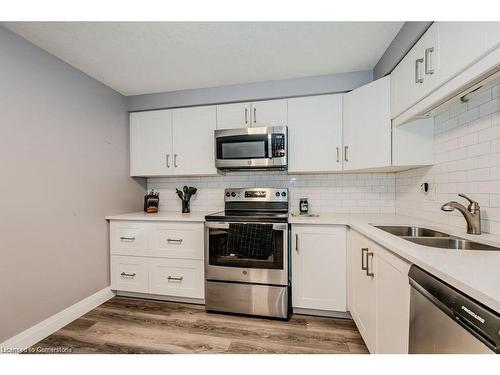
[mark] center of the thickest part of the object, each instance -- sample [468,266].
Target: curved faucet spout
[472,214]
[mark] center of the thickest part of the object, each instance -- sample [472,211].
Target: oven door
[228,257]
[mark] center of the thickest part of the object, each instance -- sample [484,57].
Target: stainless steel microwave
[251,148]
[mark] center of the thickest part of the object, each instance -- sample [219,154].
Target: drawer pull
[175,278]
[174,240]
[368,272]
[124,274]
[127,238]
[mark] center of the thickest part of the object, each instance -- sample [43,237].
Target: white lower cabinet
[362,288]
[176,240]
[165,258]
[176,277]
[379,295]
[319,270]
[393,303]
[129,274]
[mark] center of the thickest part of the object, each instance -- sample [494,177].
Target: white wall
[63,167]
[346,193]
[467,156]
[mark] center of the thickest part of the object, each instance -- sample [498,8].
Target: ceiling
[148,57]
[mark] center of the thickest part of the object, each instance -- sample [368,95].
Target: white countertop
[476,273]
[161,216]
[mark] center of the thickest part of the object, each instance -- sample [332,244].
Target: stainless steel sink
[433,238]
[404,231]
[453,243]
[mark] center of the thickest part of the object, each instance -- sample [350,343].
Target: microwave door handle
[269,145]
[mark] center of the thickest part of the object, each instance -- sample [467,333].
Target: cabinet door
[269,113]
[393,303]
[176,277]
[193,134]
[460,44]
[176,240]
[362,287]
[367,126]
[129,274]
[151,143]
[319,267]
[232,116]
[492,35]
[315,120]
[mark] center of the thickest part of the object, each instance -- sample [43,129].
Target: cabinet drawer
[129,274]
[177,240]
[128,238]
[176,277]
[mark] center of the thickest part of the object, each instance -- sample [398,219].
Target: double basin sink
[433,238]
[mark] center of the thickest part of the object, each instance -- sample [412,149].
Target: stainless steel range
[246,263]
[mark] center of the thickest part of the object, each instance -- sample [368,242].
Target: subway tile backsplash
[343,193]
[467,160]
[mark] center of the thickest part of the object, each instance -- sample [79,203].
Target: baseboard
[196,301]
[52,324]
[329,314]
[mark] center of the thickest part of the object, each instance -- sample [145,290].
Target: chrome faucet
[472,213]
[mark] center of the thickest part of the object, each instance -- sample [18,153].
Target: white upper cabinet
[173,142]
[232,116]
[319,267]
[315,134]
[151,143]
[255,114]
[367,126]
[269,113]
[442,53]
[193,135]
[417,73]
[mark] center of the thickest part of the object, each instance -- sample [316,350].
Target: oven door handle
[225,225]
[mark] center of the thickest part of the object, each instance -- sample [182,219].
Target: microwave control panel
[278,143]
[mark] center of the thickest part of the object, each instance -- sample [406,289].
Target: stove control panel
[256,195]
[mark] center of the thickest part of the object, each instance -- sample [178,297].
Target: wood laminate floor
[130,325]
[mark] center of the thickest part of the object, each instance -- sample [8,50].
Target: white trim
[328,314]
[196,301]
[52,324]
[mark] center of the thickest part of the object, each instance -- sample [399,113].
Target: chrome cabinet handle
[127,238]
[368,272]
[246,115]
[175,160]
[345,153]
[175,278]
[418,79]
[254,115]
[363,251]
[296,242]
[174,240]
[428,66]
[124,274]
[338,155]
[168,163]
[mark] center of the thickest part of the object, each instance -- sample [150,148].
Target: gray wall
[406,38]
[325,84]
[63,167]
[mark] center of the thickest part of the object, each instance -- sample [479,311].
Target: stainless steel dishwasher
[444,320]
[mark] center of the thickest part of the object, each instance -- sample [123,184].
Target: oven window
[254,146]
[244,150]
[247,246]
